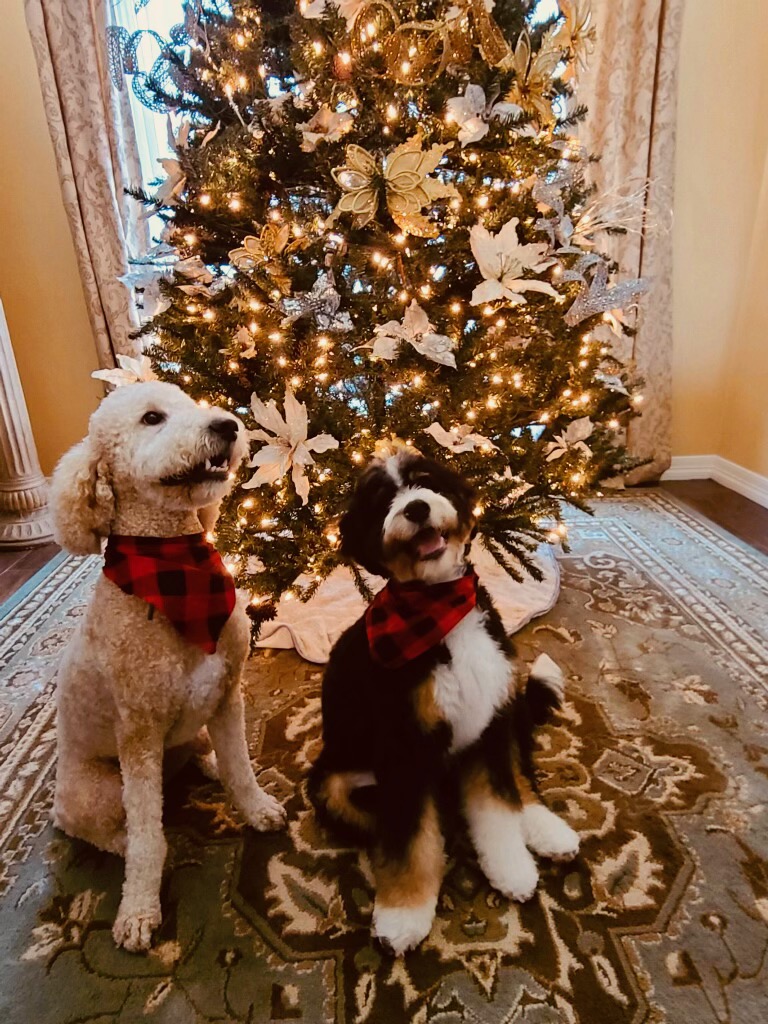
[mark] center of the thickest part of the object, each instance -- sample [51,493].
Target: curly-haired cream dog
[132,688]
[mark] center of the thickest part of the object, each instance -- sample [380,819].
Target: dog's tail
[339,801]
[545,690]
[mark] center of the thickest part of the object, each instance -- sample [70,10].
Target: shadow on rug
[660,762]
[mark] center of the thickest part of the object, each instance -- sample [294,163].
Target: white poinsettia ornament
[613,382]
[312,9]
[472,112]
[193,269]
[168,191]
[459,439]
[287,445]
[574,437]
[348,9]
[145,279]
[325,126]
[416,330]
[129,370]
[246,342]
[502,260]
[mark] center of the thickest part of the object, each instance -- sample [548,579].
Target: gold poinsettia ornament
[534,72]
[263,252]
[260,249]
[577,34]
[404,178]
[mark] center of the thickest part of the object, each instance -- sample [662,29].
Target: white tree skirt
[314,627]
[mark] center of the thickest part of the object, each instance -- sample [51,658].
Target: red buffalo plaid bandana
[182,577]
[405,620]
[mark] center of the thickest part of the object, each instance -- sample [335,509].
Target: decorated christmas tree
[378,230]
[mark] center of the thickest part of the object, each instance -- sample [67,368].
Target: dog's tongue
[430,542]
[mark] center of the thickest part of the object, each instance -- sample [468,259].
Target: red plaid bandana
[405,620]
[182,577]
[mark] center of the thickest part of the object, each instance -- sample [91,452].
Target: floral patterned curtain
[631,91]
[92,132]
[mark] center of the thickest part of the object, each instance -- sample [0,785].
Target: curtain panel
[631,91]
[92,133]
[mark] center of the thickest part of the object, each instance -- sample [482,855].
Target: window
[543,11]
[157,16]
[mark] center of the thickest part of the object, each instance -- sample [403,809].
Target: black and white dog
[424,701]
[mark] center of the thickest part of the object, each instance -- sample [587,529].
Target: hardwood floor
[19,565]
[738,515]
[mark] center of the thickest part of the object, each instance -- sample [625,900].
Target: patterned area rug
[660,762]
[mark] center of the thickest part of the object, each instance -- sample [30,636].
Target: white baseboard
[722,471]
[691,467]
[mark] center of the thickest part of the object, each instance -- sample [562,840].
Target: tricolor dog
[423,698]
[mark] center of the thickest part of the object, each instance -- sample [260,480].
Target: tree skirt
[660,761]
[314,627]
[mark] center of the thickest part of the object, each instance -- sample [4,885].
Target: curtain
[631,91]
[92,133]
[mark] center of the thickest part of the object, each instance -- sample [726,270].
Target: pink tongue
[430,544]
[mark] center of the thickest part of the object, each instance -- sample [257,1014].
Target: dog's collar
[182,577]
[405,620]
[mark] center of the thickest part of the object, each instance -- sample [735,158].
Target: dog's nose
[224,428]
[417,511]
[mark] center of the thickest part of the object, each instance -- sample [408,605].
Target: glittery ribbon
[596,297]
[322,303]
[417,52]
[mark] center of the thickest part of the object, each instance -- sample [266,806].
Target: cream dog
[131,687]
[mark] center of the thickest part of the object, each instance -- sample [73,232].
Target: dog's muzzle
[214,468]
[428,542]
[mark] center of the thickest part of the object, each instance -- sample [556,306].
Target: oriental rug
[660,761]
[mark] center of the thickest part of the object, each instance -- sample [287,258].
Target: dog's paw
[266,814]
[517,877]
[208,765]
[399,929]
[133,930]
[548,835]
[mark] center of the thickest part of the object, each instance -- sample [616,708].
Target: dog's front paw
[208,765]
[516,876]
[266,814]
[402,928]
[548,835]
[133,929]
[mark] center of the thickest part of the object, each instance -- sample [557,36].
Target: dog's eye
[152,418]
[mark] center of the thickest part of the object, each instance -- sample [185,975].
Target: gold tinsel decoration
[417,52]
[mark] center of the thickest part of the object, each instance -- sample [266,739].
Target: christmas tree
[378,229]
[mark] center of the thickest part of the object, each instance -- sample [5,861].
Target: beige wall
[720,404]
[39,280]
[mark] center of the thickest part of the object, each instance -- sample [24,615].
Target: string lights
[517,377]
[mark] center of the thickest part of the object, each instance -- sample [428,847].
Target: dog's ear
[349,532]
[82,500]
[208,516]
[358,540]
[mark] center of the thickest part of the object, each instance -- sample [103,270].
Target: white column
[24,518]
